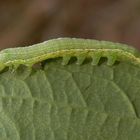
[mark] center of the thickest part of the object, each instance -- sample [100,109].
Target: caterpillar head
[2,64]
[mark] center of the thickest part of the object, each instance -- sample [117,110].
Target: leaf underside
[71,102]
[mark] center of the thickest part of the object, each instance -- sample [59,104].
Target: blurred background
[26,22]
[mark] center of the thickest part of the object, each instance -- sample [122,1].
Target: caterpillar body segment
[67,48]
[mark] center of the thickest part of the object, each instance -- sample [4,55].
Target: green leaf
[71,102]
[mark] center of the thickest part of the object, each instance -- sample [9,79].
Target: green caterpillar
[67,48]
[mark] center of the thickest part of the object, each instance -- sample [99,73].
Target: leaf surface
[71,102]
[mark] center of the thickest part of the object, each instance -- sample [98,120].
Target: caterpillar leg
[80,60]
[95,60]
[13,67]
[111,60]
[66,60]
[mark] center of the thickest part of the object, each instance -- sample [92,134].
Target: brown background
[25,22]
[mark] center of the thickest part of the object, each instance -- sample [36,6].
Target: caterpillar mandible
[67,48]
